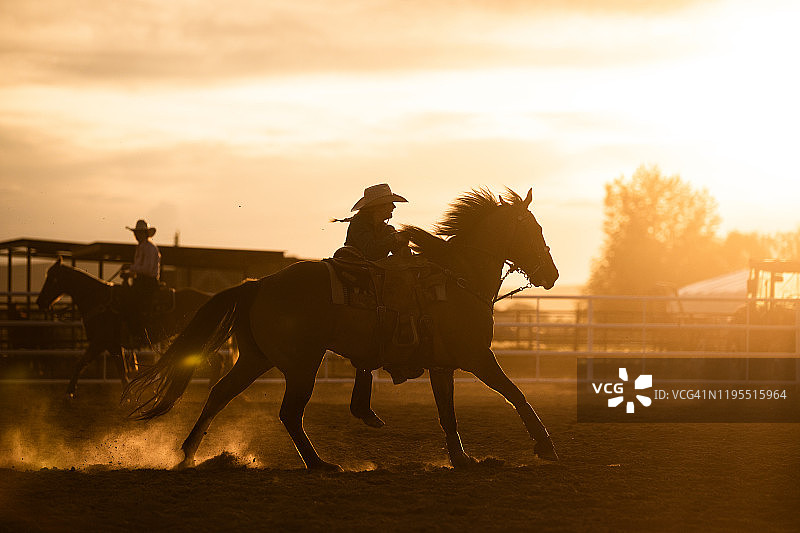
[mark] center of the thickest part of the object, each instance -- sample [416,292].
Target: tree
[787,245]
[657,229]
[739,248]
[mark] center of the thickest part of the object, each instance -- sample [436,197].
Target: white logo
[644,381]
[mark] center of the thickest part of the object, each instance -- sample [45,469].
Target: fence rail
[535,336]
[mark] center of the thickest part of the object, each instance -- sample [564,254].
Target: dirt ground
[85,467]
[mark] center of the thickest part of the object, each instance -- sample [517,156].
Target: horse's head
[504,230]
[526,246]
[54,286]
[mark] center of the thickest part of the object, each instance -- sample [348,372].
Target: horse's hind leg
[493,376]
[299,386]
[248,368]
[129,365]
[217,365]
[360,400]
[442,385]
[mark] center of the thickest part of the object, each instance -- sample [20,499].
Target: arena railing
[536,337]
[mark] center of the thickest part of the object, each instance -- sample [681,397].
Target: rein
[512,293]
[512,268]
[464,285]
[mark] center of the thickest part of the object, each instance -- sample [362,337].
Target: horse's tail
[156,389]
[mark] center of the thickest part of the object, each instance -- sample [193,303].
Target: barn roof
[40,247]
[721,294]
[181,256]
[731,285]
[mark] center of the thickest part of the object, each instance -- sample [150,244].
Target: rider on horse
[369,232]
[372,237]
[144,273]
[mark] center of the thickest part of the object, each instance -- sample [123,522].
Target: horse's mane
[470,209]
[464,213]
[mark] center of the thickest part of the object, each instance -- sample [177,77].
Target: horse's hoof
[371,419]
[185,464]
[545,450]
[463,461]
[324,466]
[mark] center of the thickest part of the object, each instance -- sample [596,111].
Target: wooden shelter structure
[34,343]
[206,269]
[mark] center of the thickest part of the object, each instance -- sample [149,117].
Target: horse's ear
[58,261]
[529,198]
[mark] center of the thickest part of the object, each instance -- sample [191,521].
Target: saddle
[141,322]
[162,300]
[399,290]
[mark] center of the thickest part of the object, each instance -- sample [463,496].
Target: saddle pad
[337,288]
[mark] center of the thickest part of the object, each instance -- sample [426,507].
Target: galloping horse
[103,323]
[287,320]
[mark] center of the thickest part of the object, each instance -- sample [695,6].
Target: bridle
[54,292]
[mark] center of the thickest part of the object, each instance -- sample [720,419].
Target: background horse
[102,322]
[287,320]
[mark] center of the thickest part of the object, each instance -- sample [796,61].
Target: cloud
[128,43]
[217,195]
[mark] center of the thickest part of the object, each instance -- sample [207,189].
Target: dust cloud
[44,431]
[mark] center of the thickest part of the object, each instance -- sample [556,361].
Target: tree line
[659,229]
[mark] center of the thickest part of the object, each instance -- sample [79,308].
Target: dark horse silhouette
[287,320]
[102,322]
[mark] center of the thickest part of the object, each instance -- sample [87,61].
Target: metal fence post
[589,327]
[644,325]
[797,330]
[747,327]
[538,325]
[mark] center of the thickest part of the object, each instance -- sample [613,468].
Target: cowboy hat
[141,225]
[377,194]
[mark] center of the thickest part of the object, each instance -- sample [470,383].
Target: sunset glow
[252,128]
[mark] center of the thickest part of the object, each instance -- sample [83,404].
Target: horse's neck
[86,291]
[483,261]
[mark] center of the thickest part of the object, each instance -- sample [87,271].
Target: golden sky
[251,123]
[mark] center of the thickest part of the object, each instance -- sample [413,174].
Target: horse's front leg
[493,376]
[360,400]
[442,385]
[86,358]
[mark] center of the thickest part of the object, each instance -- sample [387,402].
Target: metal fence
[535,337]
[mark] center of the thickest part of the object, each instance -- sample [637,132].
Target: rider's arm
[373,246]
